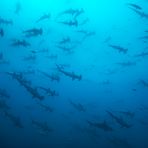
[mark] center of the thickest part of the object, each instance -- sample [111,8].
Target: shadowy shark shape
[69,74]
[5,22]
[101,125]
[142,54]
[134,6]
[23,43]
[33,32]
[144,83]
[26,84]
[70,23]
[49,92]
[44,17]
[119,48]
[140,13]
[119,120]
[126,64]
[79,107]
[53,77]
[16,120]
[43,127]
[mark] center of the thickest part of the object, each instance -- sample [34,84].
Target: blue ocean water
[73,74]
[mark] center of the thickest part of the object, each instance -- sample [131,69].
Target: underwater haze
[73,74]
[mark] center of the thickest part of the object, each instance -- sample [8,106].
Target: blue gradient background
[93,58]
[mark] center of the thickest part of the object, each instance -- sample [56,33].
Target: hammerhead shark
[69,74]
[101,125]
[119,120]
[119,48]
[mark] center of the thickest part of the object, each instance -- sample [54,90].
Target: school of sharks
[67,79]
